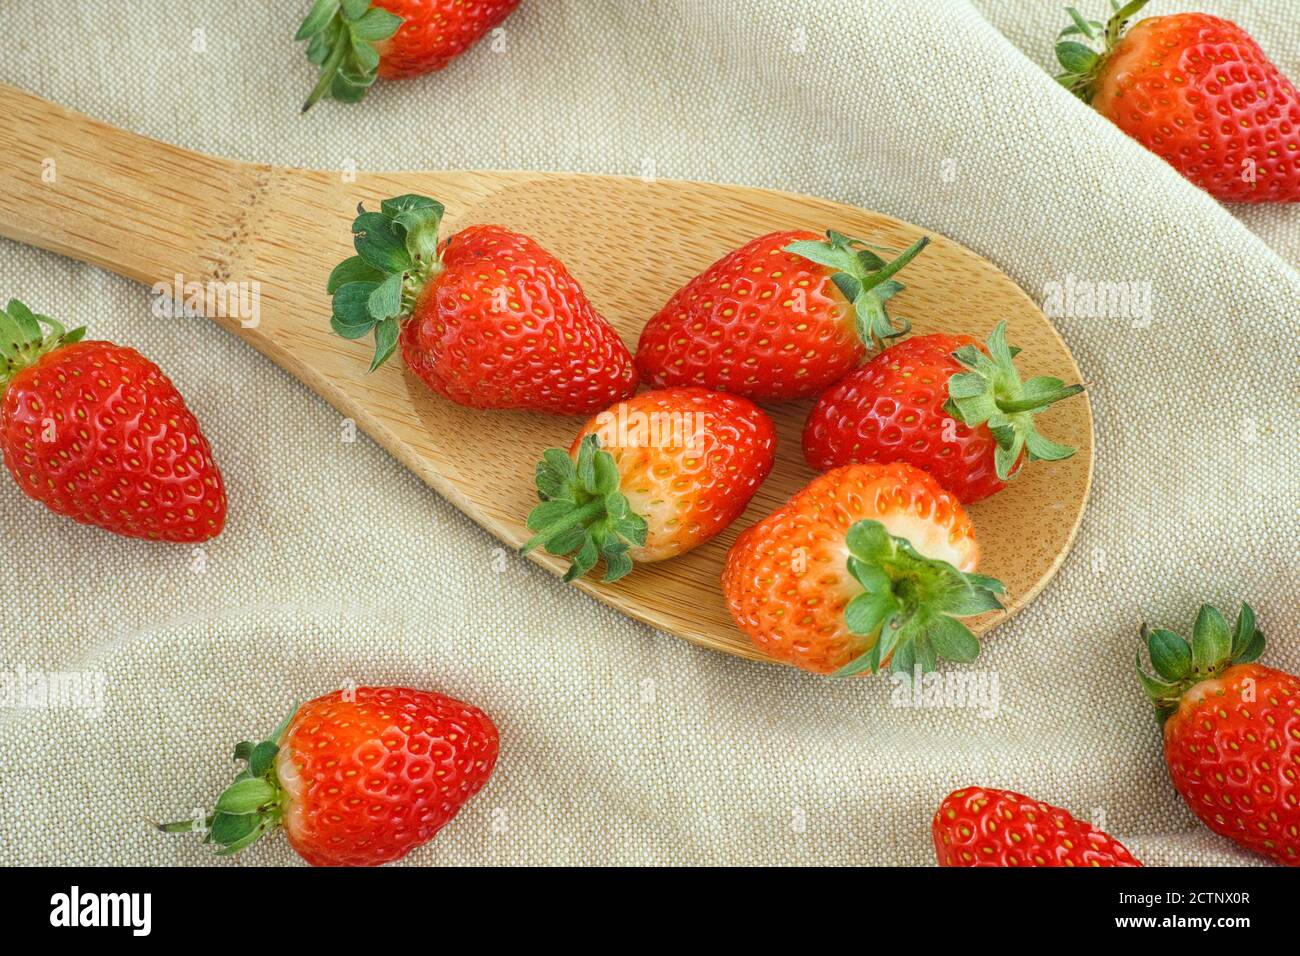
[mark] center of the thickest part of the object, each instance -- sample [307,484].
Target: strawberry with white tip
[651,478]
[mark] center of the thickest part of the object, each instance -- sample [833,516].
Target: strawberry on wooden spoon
[944,403]
[488,318]
[651,478]
[1196,90]
[780,318]
[355,41]
[97,432]
[868,567]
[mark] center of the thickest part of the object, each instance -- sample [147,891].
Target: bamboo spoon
[151,212]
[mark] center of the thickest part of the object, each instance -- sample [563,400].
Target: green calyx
[912,602]
[583,514]
[397,253]
[1180,665]
[1080,63]
[864,278]
[992,394]
[342,35]
[26,336]
[250,807]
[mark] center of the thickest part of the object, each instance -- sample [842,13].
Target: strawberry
[355,41]
[355,779]
[488,318]
[780,318]
[650,478]
[97,432]
[1231,731]
[980,826]
[943,403]
[1196,90]
[869,565]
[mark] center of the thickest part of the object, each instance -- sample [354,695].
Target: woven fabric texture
[621,745]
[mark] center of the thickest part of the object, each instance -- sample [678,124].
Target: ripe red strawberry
[780,318]
[980,826]
[869,565]
[651,478]
[97,432]
[488,319]
[357,779]
[1231,731]
[355,41]
[943,403]
[1198,91]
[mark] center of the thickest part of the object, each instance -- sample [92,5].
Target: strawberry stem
[342,37]
[23,339]
[583,513]
[910,604]
[329,71]
[397,255]
[1012,406]
[251,806]
[864,278]
[992,394]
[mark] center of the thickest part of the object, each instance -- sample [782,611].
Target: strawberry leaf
[343,330]
[354,269]
[991,393]
[246,796]
[24,339]
[386,300]
[397,255]
[322,11]
[386,333]
[909,604]
[352,304]
[342,40]
[1075,57]
[1252,650]
[952,639]
[1170,655]
[1211,641]
[261,757]
[582,514]
[227,828]
[863,278]
[375,24]
[1213,649]
[377,242]
[867,612]
[1244,633]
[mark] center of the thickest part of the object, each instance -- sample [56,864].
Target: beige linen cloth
[620,744]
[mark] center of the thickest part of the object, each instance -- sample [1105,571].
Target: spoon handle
[102,195]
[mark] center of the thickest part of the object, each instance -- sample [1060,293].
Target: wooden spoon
[153,212]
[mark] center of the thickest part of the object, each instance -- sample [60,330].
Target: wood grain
[150,211]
